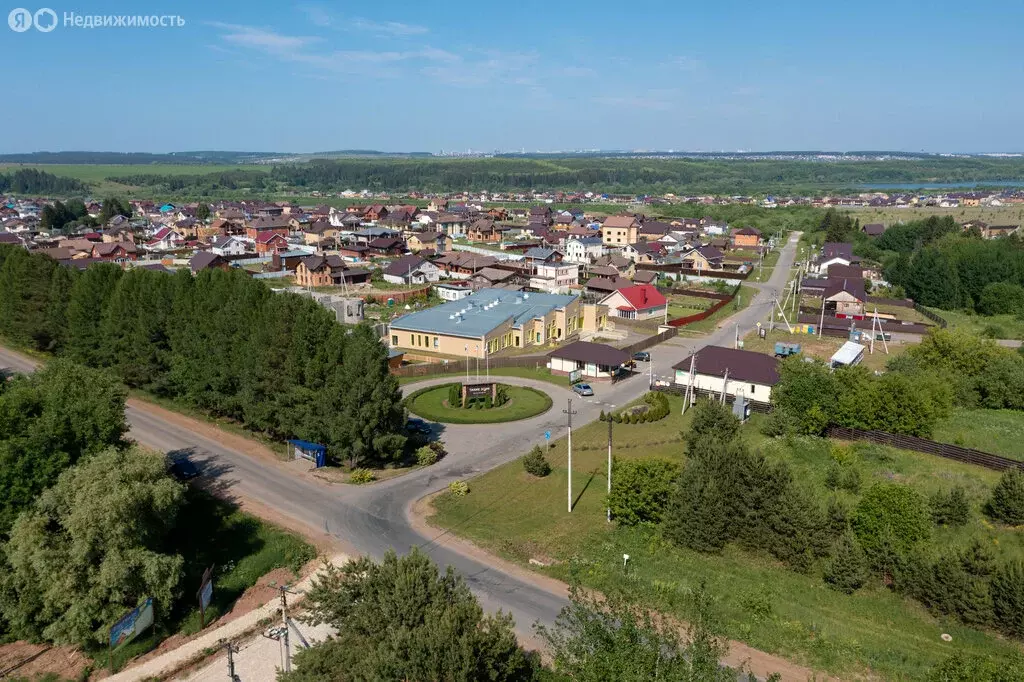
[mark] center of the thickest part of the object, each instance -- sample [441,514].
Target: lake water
[941,185]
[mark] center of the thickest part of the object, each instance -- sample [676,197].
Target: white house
[639,302]
[165,239]
[740,372]
[555,278]
[452,292]
[230,246]
[583,250]
[411,270]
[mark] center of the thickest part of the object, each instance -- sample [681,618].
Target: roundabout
[506,403]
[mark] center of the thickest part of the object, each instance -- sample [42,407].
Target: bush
[955,584]
[361,476]
[847,568]
[458,488]
[640,489]
[843,477]
[1008,598]
[898,509]
[798,532]
[1007,501]
[455,395]
[697,516]
[961,667]
[501,395]
[950,509]
[711,420]
[426,456]
[535,463]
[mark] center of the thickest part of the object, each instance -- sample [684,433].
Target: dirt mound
[22,659]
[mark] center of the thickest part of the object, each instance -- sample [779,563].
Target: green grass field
[1000,432]
[97,173]
[523,403]
[745,295]
[873,633]
[994,326]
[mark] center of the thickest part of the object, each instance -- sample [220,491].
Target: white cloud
[390,28]
[261,39]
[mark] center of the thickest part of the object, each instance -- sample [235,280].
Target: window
[753,388]
[437,341]
[394,339]
[412,339]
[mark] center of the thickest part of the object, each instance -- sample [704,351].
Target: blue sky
[425,76]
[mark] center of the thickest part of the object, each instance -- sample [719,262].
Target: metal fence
[937,319]
[954,452]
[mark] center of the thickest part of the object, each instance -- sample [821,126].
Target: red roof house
[639,302]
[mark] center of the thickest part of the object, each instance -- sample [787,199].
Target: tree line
[221,342]
[200,183]
[32,181]
[728,494]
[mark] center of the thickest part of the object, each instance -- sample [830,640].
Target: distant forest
[620,175]
[32,181]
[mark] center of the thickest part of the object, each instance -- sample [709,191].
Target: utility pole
[286,657]
[609,468]
[569,413]
[232,650]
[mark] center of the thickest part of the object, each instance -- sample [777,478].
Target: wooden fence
[937,319]
[954,452]
[697,317]
[460,366]
[901,302]
[650,341]
[677,268]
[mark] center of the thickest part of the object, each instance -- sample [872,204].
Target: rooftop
[597,353]
[478,314]
[742,365]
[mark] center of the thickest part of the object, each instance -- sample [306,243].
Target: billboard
[575,376]
[132,623]
[478,390]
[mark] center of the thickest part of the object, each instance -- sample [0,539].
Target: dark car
[642,356]
[184,469]
[417,426]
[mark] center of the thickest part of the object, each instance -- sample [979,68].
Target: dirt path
[760,663]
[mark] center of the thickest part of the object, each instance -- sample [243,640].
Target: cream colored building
[620,230]
[492,320]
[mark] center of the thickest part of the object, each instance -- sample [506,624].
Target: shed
[314,452]
[849,354]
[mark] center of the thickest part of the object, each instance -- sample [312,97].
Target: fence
[937,319]
[901,302]
[697,317]
[460,366]
[954,452]
[397,296]
[679,269]
[650,341]
[680,390]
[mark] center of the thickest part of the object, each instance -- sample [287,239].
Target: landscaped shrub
[455,395]
[640,489]
[361,476]
[535,463]
[1008,598]
[897,508]
[847,568]
[458,488]
[426,456]
[950,509]
[438,447]
[1007,501]
[501,395]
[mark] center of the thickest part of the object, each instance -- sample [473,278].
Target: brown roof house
[591,360]
[741,373]
[321,271]
[620,230]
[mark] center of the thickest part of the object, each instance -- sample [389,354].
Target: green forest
[32,181]
[617,174]
[220,342]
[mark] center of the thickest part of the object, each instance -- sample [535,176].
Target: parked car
[642,356]
[417,426]
[582,389]
[183,469]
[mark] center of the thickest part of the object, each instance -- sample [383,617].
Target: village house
[603,285]
[833,253]
[591,360]
[645,252]
[746,238]
[703,258]
[488,278]
[411,270]
[463,264]
[583,250]
[486,230]
[321,271]
[742,373]
[386,246]
[166,239]
[844,297]
[229,246]
[636,302]
[272,224]
[620,230]
[438,241]
[452,224]
[118,252]
[270,241]
[873,229]
[207,260]
[319,231]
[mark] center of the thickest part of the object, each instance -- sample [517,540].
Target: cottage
[583,250]
[269,241]
[740,373]
[320,271]
[206,260]
[274,224]
[873,229]
[606,285]
[645,252]
[166,239]
[746,237]
[229,246]
[118,252]
[703,258]
[386,246]
[438,241]
[411,270]
[845,297]
[833,253]
[636,302]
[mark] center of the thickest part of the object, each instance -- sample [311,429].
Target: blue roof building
[488,321]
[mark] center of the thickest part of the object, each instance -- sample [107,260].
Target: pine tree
[1007,501]
[1008,598]
[697,516]
[847,568]
[86,308]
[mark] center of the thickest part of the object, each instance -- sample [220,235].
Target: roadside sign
[547,435]
[131,624]
[204,595]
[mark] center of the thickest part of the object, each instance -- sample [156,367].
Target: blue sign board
[132,623]
[547,435]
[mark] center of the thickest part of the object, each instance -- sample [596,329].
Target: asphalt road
[374,518]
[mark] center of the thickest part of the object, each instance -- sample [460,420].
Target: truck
[784,350]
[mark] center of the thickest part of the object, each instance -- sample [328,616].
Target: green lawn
[1000,432]
[763,272]
[746,294]
[995,326]
[240,547]
[760,602]
[523,403]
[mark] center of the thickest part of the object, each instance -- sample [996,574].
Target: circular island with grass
[481,403]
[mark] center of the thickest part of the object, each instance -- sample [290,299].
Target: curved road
[375,518]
